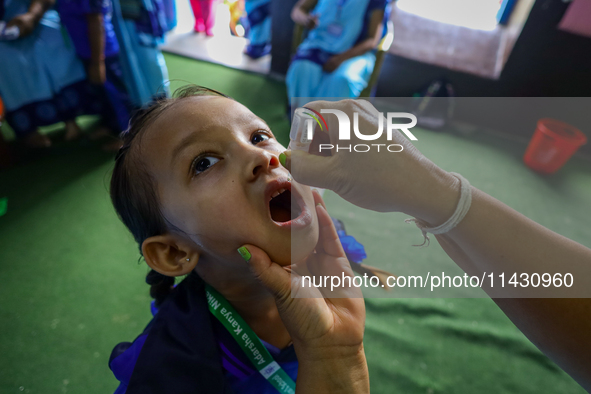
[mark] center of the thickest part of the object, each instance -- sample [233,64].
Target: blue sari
[112,94]
[140,26]
[341,25]
[259,20]
[42,80]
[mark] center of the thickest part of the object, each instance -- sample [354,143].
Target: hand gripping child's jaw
[220,185]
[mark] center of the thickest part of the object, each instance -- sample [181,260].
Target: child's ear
[169,255]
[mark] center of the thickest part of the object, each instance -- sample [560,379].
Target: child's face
[215,166]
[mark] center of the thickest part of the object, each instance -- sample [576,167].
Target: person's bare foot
[37,140]
[72,130]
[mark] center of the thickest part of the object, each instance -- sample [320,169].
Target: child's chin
[283,263]
[296,249]
[283,257]
[290,258]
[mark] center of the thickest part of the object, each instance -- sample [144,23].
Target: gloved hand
[383,181]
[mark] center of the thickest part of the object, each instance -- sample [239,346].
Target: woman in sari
[259,20]
[42,82]
[140,26]
[336,59]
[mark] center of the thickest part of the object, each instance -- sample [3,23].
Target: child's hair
[132,187]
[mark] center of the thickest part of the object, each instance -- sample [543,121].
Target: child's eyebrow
[184,143]
[191,138]
[252,119]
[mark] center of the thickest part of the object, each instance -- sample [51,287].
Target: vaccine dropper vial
[302,131]
[301,134]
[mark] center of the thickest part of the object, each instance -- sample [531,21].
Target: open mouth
[281,207]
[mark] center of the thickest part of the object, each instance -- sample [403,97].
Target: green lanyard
[249,342]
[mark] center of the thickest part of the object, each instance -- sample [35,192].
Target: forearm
[39,7]
[373,37]
[96,37]
[301,11]
[559,327]
[358,50]
[330,373]
[299,16]
[495,238]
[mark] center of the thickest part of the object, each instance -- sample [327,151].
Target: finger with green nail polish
[244,253]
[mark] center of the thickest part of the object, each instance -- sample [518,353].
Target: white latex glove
[381,181]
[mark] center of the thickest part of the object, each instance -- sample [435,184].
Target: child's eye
[258,137]
[203,163]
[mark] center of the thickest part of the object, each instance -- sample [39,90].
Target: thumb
[272,276]
[311,170]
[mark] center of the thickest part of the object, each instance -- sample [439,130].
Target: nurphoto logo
[345,130]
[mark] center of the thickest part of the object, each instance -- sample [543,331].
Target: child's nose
[262,161]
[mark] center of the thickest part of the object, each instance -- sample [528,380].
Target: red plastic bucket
[553,143]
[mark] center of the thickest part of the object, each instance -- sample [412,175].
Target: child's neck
[256,306]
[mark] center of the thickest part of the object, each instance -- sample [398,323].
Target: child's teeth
[278,192]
